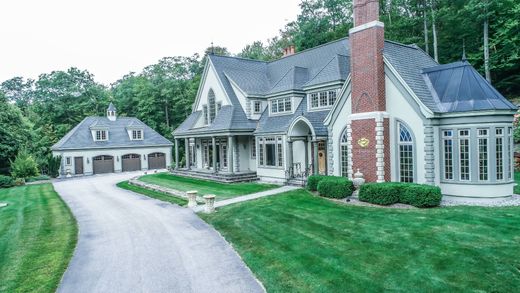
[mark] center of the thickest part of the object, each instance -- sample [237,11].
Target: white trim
[378,115]
[309,124]
[203,81]
[375,23]
[327,121]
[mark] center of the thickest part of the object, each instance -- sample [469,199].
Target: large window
[270,151]
[499,146]
[253,148]
[447,143]
[464,155]
[281,105]
[483,153]
[344,154]
[323,99]
[406,157]
[212,107]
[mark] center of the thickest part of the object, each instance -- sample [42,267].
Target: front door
[322,158]
[78,165]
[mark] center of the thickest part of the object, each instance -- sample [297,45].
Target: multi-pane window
[344,154]
[499,146]
[257,107]
[447,143]
[464,155]
[101,135]
[281,105]
[406,160]
[314,100]
[68,161]
[212,106]
[224,155]
[323,99]
[137,134]
[253,148]
[510,153]
[270,151]
[205,114]
[483,154]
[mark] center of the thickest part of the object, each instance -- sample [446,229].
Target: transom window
[322,99]
[137,134]
[101,135]
[281,105]
[406,157]
[270,150]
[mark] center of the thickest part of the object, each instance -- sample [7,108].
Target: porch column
[290,157]
[236,153]
[214,144]
[315,156]
[187,150]
[306,143]
[230,154]
[176,153]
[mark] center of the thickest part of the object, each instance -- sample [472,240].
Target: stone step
[225,178]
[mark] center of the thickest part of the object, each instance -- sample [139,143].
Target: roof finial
[464,51]
[212,49]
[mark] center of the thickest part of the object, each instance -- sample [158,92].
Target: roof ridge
[411,46]
[310,49]
[240,58]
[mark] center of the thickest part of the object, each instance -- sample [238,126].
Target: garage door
[156,161]
[103,164]
[131,162]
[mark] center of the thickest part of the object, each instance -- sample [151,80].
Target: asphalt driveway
[131,243]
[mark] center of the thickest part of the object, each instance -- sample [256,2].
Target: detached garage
[99,145]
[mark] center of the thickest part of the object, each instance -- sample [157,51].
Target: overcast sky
[110,38]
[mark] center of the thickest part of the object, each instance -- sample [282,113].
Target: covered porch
[224,158]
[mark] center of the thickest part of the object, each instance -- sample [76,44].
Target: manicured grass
[221,190]
[152,194]
[297,242]
[38,235]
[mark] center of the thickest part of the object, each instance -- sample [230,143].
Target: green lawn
[221,190]
[37,239]
[297,242]
[152,194]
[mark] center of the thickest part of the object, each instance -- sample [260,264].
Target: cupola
[111,112]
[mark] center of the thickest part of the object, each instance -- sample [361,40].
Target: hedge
[335,187]
[313,180]
[6,181]
[418,195]
[421,196]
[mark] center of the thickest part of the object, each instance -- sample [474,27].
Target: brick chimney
[289,51]
[369,123]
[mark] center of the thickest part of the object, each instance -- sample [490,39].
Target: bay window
[447,142]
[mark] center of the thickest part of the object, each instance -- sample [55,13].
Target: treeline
[35,114]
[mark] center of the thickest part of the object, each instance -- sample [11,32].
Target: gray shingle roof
[458,87]
[80,137]
[111,107]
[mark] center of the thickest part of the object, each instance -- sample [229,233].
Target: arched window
[344,154]
[212,107]
[406,154]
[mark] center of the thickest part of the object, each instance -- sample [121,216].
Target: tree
[18,91]
[15,131]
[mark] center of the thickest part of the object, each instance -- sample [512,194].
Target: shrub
[38,178]
[19,182]
[6,181]
[24,166]
[335,187]
[421,196]
[381,193]
[313,180]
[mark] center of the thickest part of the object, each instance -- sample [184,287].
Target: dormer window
[281,105]
[101,135]
[323,99]
[137,134]
[257,107]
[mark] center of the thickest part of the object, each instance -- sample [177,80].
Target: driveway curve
[132,243]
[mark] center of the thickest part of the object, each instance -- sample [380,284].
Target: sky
[111,38]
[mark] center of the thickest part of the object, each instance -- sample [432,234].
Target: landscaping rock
[3,204]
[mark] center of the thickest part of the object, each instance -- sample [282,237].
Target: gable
[210,81]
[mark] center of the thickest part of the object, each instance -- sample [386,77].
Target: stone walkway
[248,197]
